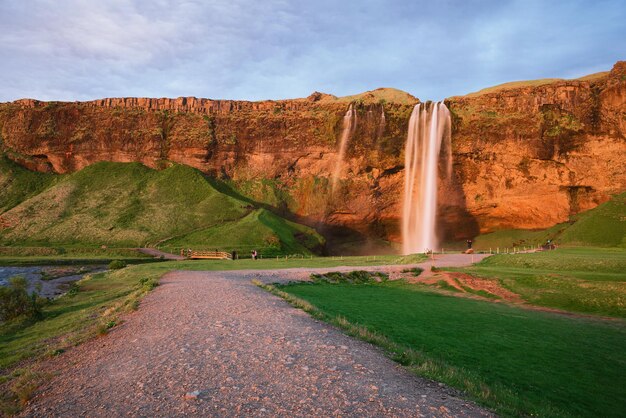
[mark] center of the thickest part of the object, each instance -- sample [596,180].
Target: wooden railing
[210,255]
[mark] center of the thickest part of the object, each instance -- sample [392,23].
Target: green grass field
[33,256]
[519,362]
[131,205]
[585,280]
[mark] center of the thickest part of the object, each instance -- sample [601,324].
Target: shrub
[73,290]
[353,277]
[116,265]
[16,302]
[416,271]
[149,283]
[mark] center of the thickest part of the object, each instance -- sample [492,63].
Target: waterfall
[381,124]
[349,123]
[429,126]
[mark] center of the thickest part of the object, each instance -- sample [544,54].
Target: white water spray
[349,123]
[428,127]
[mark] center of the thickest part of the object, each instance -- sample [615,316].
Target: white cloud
[244,49]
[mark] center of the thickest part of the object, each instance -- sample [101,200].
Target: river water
[54,280]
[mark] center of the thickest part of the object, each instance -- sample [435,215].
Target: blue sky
[273,49]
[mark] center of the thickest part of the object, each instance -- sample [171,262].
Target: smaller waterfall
[349,123]
[381,124]
[429,126]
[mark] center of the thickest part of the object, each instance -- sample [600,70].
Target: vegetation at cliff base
[131,205]
[602,226]
[18,183]
[519,362]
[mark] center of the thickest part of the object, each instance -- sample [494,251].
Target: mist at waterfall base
[429,127]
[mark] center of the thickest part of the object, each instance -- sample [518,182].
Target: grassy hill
[130,205]
[603,226]
[533,83]
[384,94]
[17,183]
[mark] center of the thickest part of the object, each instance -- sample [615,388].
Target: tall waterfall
[349,123]
[429,126]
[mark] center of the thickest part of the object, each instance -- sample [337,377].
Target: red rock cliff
[524,157]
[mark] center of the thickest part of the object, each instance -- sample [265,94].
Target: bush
[353,277]
[116,265]
[16,302]
[149,283]
[416,271]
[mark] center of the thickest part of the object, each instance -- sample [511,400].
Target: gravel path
[158,254]
[213,344]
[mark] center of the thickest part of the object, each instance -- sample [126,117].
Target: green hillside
[603,226]
[131,205]
[17,183]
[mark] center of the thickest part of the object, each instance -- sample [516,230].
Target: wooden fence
[209,255]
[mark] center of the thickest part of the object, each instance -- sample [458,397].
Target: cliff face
[529,157]
[524,157]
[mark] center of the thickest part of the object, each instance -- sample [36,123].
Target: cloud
[243,49]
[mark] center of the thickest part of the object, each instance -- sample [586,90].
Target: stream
[54,280]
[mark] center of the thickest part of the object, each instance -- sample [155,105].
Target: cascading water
[381,124]
[349,123]
[429,126]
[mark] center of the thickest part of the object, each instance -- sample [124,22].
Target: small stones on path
[250,353]
[192,395]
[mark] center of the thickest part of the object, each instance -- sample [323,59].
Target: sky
[277,49]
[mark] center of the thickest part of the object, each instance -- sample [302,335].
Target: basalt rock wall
[524,157]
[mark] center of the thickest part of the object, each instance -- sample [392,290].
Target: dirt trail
[245,352]
[158,254]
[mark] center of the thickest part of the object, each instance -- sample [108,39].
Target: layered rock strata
[525,156]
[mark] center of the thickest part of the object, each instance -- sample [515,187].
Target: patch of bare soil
[462,282]
[488,285]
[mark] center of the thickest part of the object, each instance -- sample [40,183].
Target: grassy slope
[27,256]
[132,205]
[528,362]
[70,319]
[533,83]
[586,280]
[386,94]
[259,229]
[17,183]
[603,226]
